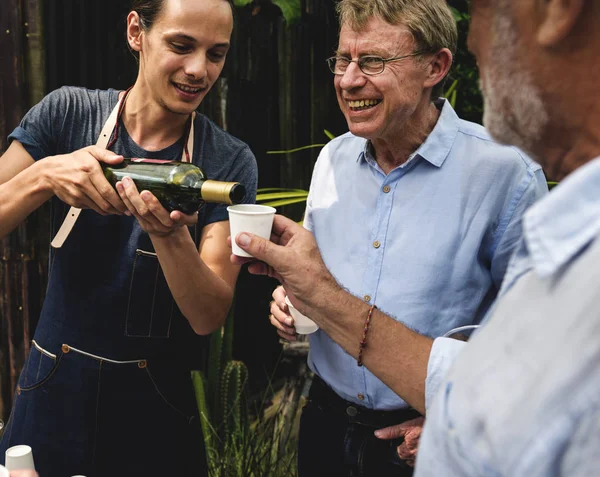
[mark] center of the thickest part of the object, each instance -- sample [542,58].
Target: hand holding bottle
[166,195]
[149,212]
[77,179]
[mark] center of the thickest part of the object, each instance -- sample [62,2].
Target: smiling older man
[435,208]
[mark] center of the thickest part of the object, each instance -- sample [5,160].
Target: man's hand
[291,256]
[280,317]
[149,212]
[411,431]
[77,179]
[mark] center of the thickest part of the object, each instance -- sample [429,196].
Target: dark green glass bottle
[177,185]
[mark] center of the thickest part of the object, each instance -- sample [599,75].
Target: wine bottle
[177,185]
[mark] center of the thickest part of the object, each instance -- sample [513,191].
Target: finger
[104,155]
[391,432]
[156,211]
[284,227]
[261,268]
[101,205]
[140,207]
[405,453]
[122,194]
[290,330]
[184,219]
[279,297]
[281,316]
[261,249]
[287,336]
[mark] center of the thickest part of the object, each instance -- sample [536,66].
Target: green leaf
[282,195]
[279,203]
[278,189]
[242,3]
[457,15]
[288,151]
[291,9]
[453,99]
[451,89]
[328,134]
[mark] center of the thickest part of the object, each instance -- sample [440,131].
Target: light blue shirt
[427,243]
[522,398]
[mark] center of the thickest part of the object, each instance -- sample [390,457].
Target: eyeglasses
[369,64]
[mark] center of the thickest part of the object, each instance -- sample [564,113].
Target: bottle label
[151,161]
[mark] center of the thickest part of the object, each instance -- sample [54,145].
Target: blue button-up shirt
[428,243]
[522,397]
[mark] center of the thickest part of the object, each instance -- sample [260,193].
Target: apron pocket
[150,305]
[39,368]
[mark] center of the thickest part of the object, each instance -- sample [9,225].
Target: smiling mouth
[363,104]
[187,89]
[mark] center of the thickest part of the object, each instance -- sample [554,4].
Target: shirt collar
[559,226]
[438,144]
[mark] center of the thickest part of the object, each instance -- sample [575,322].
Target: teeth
[363,102]
[188,89]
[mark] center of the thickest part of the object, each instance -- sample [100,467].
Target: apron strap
[105,135]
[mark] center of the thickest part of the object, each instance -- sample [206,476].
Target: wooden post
[19,30]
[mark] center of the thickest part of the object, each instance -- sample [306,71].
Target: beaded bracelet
[363,342]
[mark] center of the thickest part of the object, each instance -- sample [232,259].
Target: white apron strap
[105,134]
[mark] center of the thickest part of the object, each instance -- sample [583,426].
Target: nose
[353,77]
[195,66]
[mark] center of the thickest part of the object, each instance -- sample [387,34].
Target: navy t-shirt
[106,291]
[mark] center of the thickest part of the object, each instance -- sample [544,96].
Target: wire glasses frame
[369,64]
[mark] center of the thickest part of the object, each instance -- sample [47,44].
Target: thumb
[261,249]
[106,156]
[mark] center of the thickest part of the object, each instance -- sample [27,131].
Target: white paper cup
[253,218]
[303,324]
[19,457]
[4,471]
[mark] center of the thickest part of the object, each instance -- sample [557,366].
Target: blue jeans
[333,443]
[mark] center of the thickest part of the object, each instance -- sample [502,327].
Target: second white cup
[4,471]
[303,324]
[19,457]
[254,218]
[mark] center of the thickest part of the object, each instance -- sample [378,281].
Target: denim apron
[106,389]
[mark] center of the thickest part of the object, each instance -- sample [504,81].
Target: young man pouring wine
[131,284]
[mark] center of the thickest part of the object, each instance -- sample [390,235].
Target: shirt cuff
[443,353]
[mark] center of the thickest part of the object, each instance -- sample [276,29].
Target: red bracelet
[363,342]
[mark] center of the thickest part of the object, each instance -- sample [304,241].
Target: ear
[559,20]
[438,67]
[134,31]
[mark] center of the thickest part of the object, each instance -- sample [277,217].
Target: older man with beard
[521,398]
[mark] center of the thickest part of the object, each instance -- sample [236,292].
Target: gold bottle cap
[223,192]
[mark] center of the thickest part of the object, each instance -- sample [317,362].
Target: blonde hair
[430,22]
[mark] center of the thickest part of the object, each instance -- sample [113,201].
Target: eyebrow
[183,36]
[343,53]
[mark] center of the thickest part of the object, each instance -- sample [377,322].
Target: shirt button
[386,189]
[361,397]
[351,411]
[376,244]
[367,297]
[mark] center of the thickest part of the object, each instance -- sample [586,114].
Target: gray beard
[514,112]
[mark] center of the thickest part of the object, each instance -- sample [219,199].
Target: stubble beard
[514,112]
